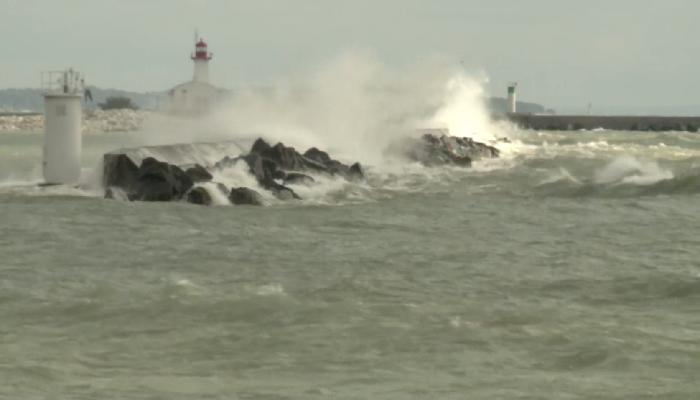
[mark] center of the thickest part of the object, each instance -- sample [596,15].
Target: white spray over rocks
[353,107]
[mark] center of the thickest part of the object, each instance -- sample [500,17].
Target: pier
[551,122]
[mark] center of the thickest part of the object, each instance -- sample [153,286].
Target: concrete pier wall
[610,122]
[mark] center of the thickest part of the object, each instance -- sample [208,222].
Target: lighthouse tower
[197,96]
[511,97]
[201,59]
[63,92]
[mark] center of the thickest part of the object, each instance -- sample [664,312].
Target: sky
[562,53]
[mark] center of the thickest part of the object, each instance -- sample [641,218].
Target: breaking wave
[624,177]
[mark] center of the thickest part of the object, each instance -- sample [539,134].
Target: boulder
[245,196]
[160,181]
[355,171]
[266,171]
[334,167]
[270,164]
[286,158]
[199,174]
[317,155]
[281,192]
[199,195]
[119,171]
[432,150]
[297,178]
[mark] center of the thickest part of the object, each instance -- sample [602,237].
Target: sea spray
[628,170]
[352,106]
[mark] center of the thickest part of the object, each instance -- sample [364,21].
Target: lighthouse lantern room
[201,59]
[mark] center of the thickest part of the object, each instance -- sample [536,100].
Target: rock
[286,158]
[200,196]
[245,196]
[270,164]
[119,171]
[259,146]
[297,178]
[334,167]
[355,171]
[281,192]
[199,174]
[265,172]
[317,155]
[160,181]
[431,150]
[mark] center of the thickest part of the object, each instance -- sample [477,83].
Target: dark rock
[270,164]
[160,181]
[355,171]
[199,195]
[119,171]
[259,146]
[334,167]
[297,178]
[462,151]
[199,174]
[281,192]
[264,169]
[243,195]
[317,155]
[286,158]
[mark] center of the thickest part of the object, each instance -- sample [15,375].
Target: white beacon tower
[511,97]
[63,94]
[201,59]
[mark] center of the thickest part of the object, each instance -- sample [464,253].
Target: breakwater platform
[553,122]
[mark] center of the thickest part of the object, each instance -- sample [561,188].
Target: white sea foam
[628,170]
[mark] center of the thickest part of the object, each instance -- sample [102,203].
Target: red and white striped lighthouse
[201,59]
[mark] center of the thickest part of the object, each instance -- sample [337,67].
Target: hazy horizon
[619,54]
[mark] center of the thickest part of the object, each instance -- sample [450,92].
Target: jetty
[553,122]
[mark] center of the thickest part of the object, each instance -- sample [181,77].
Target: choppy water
[568,269]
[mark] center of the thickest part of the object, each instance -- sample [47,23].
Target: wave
[624,177]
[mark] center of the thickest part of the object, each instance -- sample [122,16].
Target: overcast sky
[562,53]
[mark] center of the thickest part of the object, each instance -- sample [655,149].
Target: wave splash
[353,107]
[626,176]
[629,170]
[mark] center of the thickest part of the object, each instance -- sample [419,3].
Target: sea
[567,268]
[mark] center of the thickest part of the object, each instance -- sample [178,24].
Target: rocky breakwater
[94,121]
[277,170]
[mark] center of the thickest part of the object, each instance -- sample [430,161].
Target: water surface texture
[567,269]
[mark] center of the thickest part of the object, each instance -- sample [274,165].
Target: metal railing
[65,82]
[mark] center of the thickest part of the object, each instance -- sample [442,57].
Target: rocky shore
[276,169]
[94,121]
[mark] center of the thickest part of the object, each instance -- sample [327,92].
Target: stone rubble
[94,121]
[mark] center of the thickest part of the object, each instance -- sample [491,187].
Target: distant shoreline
[93,121]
